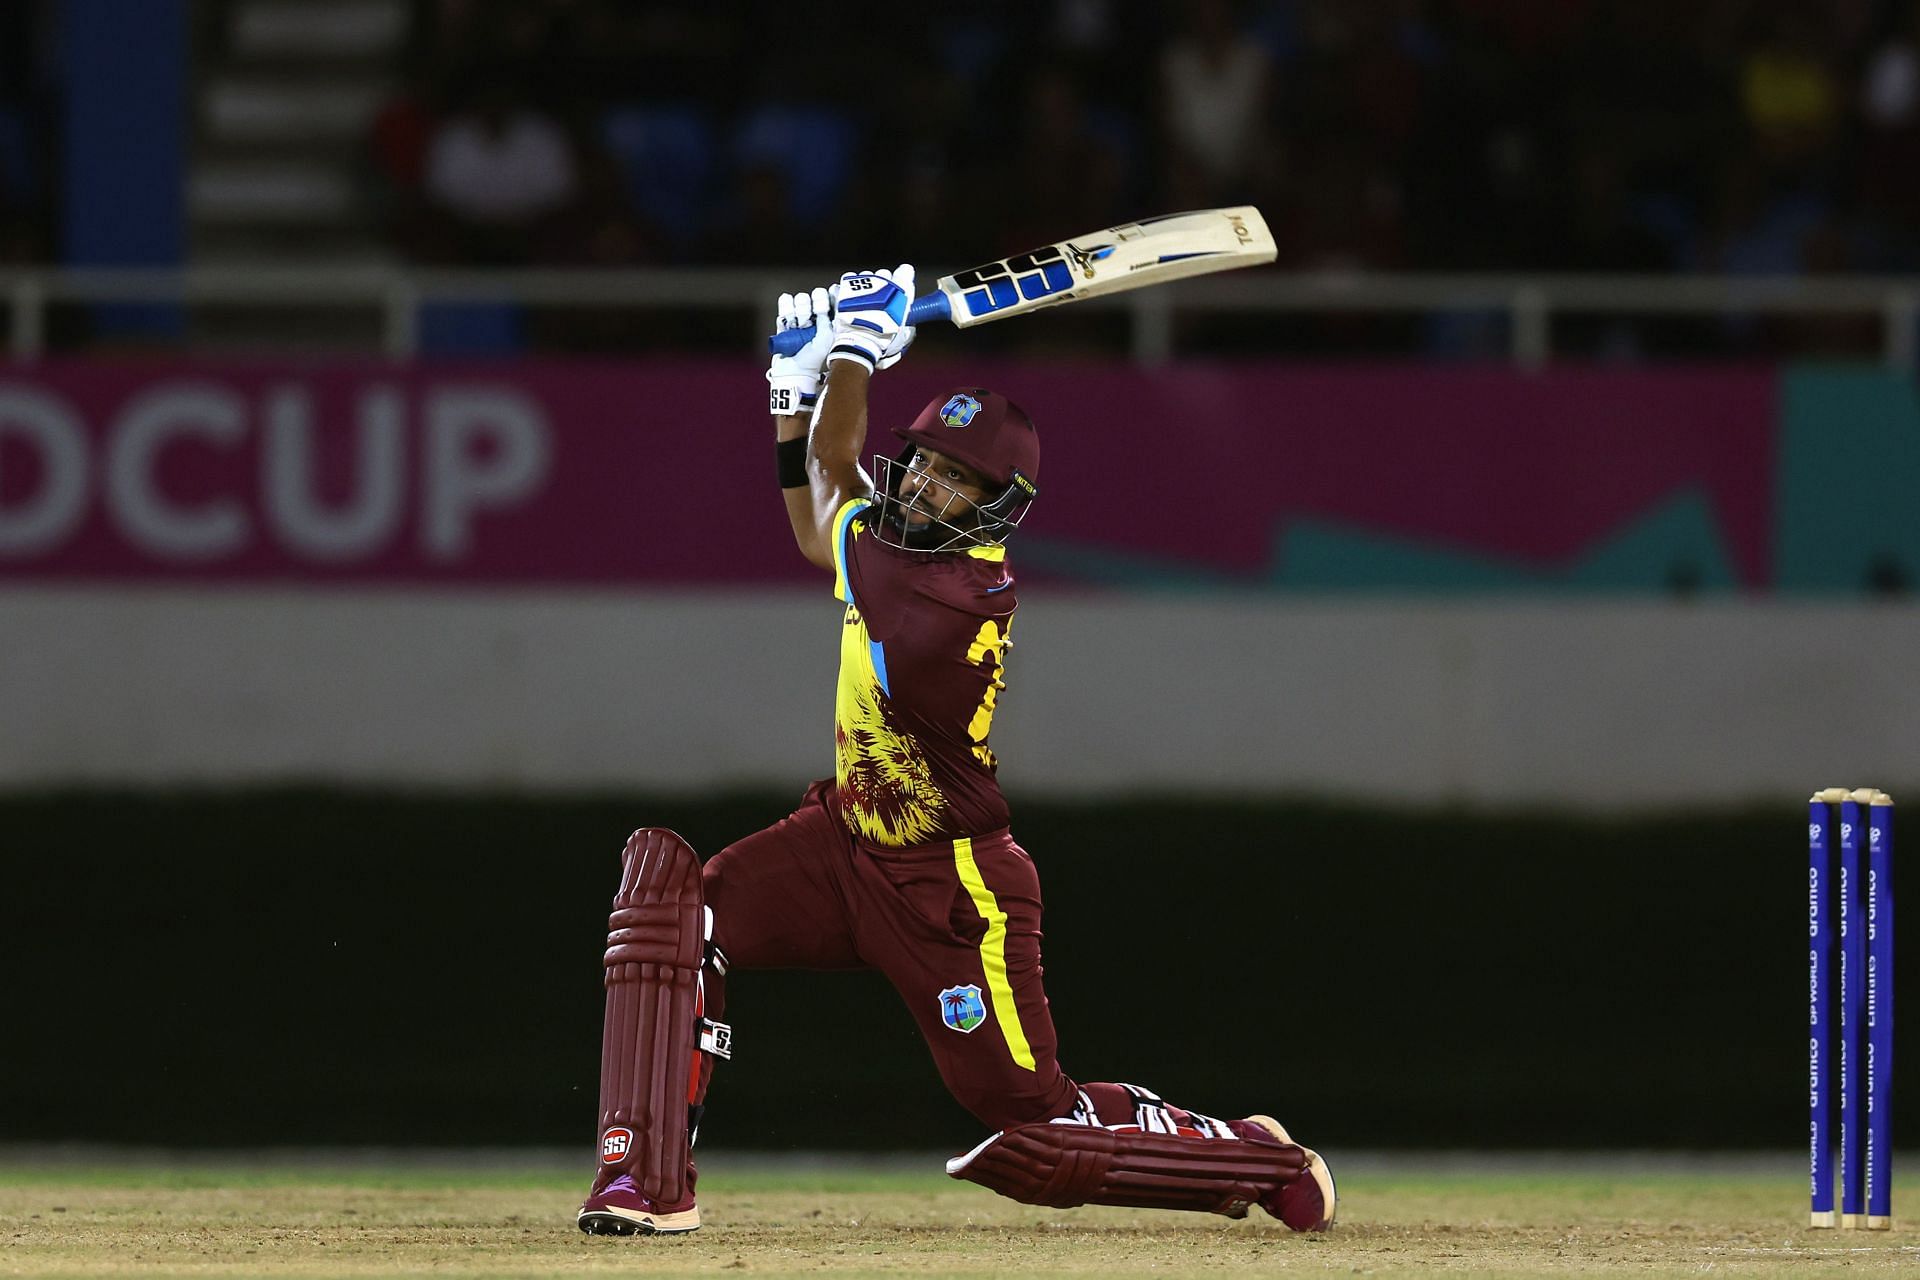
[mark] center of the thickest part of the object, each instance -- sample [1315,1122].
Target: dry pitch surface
[77,1214]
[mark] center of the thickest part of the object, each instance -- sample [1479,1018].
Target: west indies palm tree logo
[961,1009]
[959,411]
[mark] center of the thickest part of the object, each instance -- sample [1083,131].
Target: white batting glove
[793,382]
[870,317]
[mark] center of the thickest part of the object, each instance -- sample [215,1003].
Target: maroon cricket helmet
[985,430]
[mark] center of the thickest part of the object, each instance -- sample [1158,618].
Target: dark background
[305,967]
[1716,137]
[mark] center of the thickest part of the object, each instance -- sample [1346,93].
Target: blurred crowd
[25,205]
[1616,135]
[1748,136]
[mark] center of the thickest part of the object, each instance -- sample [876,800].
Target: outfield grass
[329,1217]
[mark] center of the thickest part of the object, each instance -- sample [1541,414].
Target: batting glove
[870,317]
[793,382]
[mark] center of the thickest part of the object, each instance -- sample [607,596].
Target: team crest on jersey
[958,412]
[961,1008]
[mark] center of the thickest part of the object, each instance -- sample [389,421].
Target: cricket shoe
[618,1209]
[1306,1203]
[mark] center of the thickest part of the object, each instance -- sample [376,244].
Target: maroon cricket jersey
[922,650]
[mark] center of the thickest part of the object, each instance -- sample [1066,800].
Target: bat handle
[928,306]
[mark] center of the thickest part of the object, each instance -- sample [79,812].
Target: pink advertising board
[652,473]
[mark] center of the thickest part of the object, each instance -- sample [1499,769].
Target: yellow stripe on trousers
[993,952]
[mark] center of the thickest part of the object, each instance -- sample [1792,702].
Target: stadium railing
[1529,304]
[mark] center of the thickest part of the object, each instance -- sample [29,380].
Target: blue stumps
[1879,1016]
[1820,925]
[1853,968]
[1850,945]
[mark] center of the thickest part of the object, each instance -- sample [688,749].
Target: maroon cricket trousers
[954,926]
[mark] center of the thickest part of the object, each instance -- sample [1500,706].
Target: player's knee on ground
[1125,1145]
[1065,1165]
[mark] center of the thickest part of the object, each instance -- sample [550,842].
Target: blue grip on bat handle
[928,306]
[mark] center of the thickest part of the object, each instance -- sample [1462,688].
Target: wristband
[858,349]
[792,456]
[783,401]
[853,355]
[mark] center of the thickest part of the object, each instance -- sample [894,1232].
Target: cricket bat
[1132,255]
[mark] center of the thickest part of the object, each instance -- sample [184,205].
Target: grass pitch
[328,1216]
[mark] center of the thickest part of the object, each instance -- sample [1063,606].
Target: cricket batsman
[903,860]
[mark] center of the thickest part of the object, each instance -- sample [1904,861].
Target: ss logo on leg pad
[615,1145]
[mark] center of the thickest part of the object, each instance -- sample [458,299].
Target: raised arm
[820,470]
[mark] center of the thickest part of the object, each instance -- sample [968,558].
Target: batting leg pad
[1064,1165]
[650,1081]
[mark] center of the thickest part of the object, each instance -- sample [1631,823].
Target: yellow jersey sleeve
[842,534]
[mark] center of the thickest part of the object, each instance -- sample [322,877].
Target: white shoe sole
[626,1222]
